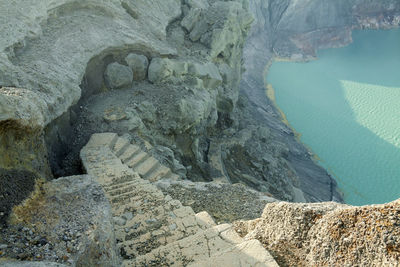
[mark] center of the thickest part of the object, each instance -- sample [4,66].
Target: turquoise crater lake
[346,107]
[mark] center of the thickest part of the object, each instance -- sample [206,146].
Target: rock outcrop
[67,220]
[328,234]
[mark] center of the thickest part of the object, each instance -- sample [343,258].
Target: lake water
[346,106]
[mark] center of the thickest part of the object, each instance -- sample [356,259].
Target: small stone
[150,221]
[42,241]
[172,227]
[119,221]
[127,215]
[3,246]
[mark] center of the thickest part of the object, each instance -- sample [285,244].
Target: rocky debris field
[67,221]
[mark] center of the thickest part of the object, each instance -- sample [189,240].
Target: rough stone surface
[118,76]
[42,34]
[30,264]
[223,201]
[139,65]
[327,234]
[153,229]
[66,221]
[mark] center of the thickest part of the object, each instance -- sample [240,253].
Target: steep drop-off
[295,30]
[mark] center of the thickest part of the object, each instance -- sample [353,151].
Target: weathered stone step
[111,187]
[215,247]
[199,246]
[137,159]
[157,173]
[129,153]
[120,146]
[163,228]
[146,166]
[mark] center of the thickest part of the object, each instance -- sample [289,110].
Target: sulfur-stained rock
[118,76]
[164,69]
[139,65]
[190,20]
[208,72]
[328,234]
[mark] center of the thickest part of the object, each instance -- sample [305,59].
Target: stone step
[146,166]
[215,247]
[152,229]
[247,253]
[114,186]
[129,153]
[120,146]
[197,247]
[137,159]
[157,173]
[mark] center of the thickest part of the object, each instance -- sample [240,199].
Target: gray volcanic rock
[56,81]
[68,220]
[118,76]
[31,264]
[46,50]
[139,65]
[328,234]
[224,202]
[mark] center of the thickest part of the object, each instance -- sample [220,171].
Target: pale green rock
[118,76]
[139,65]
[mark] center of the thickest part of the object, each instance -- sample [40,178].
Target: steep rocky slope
[164,73]
[294,30]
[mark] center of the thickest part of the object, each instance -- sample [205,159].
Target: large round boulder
[139,65]
[118,76]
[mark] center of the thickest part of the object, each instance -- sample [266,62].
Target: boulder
[164,69]
[328,234]
[118,76]
[208,72]
[176,71]
[139,65]
[190,20]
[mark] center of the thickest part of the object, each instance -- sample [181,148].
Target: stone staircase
[139,161]
[153,229]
